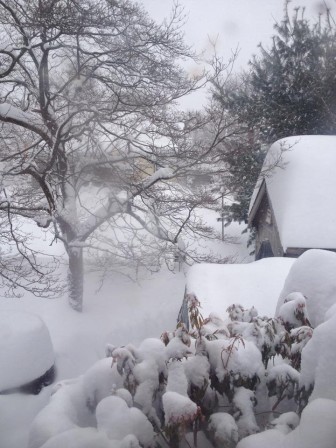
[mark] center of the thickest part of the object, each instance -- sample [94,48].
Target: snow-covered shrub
[237,312]
[313,275]
[316,429]
[244,401]
[117,421]
[293,312]
[223,429]
[282,382]
[73,403]
[203,384]
[318,364]
[285,422]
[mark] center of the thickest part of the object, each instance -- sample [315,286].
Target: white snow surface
[72,402]
[177,407]
[253,284]
[118,312]
[316,429]
[177,380]
[318,365]
[312,274]
[294,303]
[80,438]
[236,356]
[286,422]
[118,421]
[26,351]
[301,190]
[271,438]
[224,427]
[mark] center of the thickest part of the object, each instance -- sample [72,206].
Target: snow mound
[312,274]
[271,438]
[118,421]
[224,427]
[26,351]
[73,403]
[318,365]
[252,284]
[80,438]
[316,429]
[178,407]
[286,422]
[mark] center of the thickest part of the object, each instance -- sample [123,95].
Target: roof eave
[259,197]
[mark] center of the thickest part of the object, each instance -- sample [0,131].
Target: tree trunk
[76,278]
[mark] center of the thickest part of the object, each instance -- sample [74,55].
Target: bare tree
[90,136]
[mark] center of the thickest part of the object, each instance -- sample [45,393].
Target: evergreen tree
[291,87]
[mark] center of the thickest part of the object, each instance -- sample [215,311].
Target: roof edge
[255,206]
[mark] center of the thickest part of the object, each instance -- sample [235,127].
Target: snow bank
[318,364]
[313,274]
[118,421]
[74,402]
[80,438]
[26,351]
[316,429]
[271,438]
[253,284]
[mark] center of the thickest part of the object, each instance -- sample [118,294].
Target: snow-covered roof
[302,191]
[258,284]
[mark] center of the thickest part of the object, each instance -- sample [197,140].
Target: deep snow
[120,312]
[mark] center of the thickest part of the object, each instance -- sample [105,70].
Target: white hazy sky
[232,23]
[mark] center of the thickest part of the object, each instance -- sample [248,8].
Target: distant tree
[90,135]
[289,89]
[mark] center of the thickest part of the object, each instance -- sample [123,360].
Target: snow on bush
[318,367]
[117,420]
[285,422]
[85,438]
[73,403]
[224,428]
[26,351]
[221,382]
[313,275]
[293,312]
[244,401]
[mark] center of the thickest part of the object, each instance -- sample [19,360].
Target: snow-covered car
[217,286]
[26,353]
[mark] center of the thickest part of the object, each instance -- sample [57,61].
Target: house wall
[266,227]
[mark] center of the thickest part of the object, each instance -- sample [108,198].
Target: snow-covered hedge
[313,275]
[247,380]
[216,384]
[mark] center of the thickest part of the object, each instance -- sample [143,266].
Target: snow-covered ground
[120,312]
